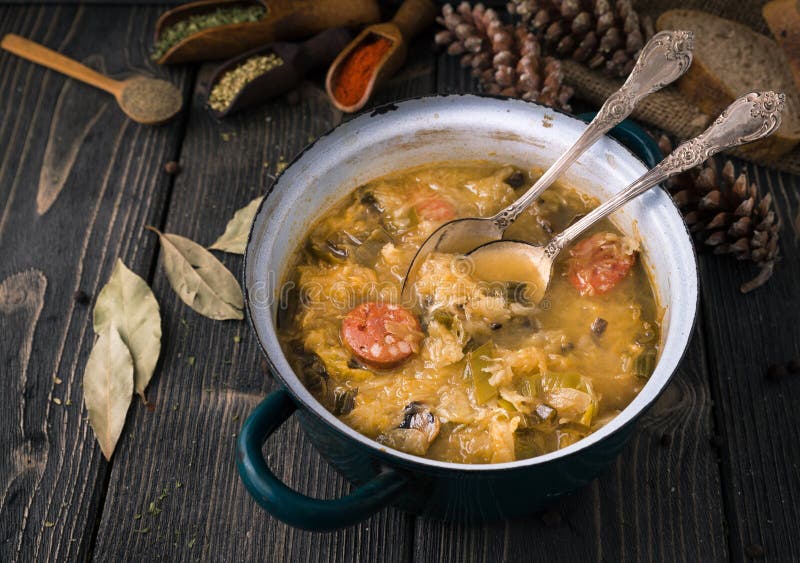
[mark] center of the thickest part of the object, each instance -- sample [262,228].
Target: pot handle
[633,137]
[288,505]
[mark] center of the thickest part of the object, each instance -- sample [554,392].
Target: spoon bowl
[149,101]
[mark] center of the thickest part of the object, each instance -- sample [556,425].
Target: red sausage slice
[598,263]
[435,209]
[381,335]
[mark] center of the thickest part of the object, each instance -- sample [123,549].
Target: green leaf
[127,304]
[108,388]
[199,279]
[234,239]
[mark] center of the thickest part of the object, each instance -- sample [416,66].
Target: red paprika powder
[358,68]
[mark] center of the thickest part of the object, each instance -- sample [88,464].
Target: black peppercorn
[81,297]
[551,518]
[172,168]
[665,440]
[793,366]
[776,371]
[754,551]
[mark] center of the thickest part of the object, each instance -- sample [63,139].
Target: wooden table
[712,474]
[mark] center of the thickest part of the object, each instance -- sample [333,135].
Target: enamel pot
[406,134]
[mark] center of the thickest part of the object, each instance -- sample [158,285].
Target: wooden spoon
[145,100]
[412,17]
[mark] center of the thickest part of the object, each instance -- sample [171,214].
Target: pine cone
[506,59]
[605,34]
[726,214]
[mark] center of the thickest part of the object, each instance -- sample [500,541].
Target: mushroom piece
[343,400]
[418,429]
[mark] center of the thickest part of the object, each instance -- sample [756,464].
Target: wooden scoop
[297,60]
[145,100]
[283,20]
[412,17]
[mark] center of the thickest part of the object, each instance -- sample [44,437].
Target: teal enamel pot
[410,133]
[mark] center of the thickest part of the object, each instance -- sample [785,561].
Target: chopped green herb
[190,360]
[56,400]
[137,516]
[191,542]
[142,531]
[48,524]
[179,31]
[178,484]
[237,339]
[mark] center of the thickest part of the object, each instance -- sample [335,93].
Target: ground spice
[232,82]
[358,68]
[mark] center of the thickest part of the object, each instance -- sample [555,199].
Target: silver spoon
[749,118]
[662,60]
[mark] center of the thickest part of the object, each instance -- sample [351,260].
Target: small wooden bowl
[412,17]
[284,20]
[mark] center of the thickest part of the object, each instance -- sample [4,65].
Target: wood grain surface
[53,476]
[711,474]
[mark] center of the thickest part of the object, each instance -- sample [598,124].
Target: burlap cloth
[668,109]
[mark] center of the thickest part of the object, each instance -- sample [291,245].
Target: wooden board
[77,185]
[78,182]
[190,437]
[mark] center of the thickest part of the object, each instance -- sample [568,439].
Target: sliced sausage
[598,263]
[436,208]
[381,335]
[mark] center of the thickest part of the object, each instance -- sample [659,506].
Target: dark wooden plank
[102,182]
[660,501]
[190,437]
[756,418]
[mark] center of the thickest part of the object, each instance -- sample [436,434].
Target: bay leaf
[127,303]
[108,388]
[199,279]
[234,239]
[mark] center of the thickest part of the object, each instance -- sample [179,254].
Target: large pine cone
[605,34]
[726,213]
[506,59]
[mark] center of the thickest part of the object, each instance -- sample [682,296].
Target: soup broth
[472,372]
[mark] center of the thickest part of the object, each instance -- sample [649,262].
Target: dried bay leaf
[127,303]
[108,388]
[234,239]
[199,279]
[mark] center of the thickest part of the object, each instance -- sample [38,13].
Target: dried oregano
[193,24]
[232,82]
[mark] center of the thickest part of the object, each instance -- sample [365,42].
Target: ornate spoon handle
[749,118]
[663,60]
